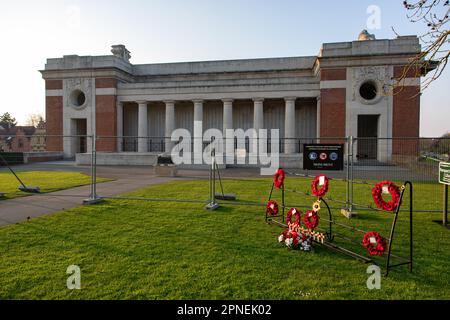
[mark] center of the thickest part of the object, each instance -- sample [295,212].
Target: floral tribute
[297,237]
[322,191]
[272,208]
[386,187]
[294,212]
[278,179]
[374,243]
[296,240]
[311,220]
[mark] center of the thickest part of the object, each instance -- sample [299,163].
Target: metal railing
[367,160]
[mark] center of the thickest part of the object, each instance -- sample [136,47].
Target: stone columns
[142,127]
[227,114]
[119,126]
[198,110]
[198,132]
[170,124]
[258,114]
[289,126]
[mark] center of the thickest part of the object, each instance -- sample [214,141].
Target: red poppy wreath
[315,186]
[278,180]
[311,220]
[386,186]
[272,208]
[294,213]
[374,243]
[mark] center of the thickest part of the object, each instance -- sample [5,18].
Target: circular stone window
[77,98]
[368,90]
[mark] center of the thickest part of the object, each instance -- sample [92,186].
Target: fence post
[347,189]
[212,205]
[93,198]
[445,213]
[351,174]
[348,210]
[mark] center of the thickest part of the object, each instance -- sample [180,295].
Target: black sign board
[324,157]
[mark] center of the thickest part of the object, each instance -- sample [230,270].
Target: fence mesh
[367,160]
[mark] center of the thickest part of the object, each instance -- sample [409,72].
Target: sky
[190,30]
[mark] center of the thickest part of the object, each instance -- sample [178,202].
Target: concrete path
[20,209]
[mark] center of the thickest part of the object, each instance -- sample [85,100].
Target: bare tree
[34,119]
[433,59]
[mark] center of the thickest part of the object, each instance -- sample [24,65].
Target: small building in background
[38,140]
[23,138]
[17,139]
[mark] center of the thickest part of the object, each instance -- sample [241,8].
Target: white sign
[444,173]
[321,180]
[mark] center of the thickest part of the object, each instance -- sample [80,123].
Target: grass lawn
[48,181]
[149,250]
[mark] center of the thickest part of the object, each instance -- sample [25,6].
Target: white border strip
[332,84]
[106,92]
[53,93]
[410,82]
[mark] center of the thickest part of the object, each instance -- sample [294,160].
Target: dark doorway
[367,137]
[81,132]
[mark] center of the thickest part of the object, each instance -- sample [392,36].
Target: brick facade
[333,74]
[21,142]
[410,73]
[53,84]
[106,115]
[54,123]
[332,112]
[102,83]
[406,119]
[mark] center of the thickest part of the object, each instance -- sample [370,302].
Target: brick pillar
[332,112]
[106,114]
[54,115]
[119,140]
[406,119]
[406,113]
[332,105]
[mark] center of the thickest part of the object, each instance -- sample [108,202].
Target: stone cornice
[87,73]
[363,60]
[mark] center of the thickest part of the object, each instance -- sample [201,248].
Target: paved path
[20,209]
[127,179]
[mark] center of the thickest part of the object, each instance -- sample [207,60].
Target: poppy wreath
[377,192]
[315,186]
[272,208]
[374,243]
[278,180]
[294,213]
[311,220]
